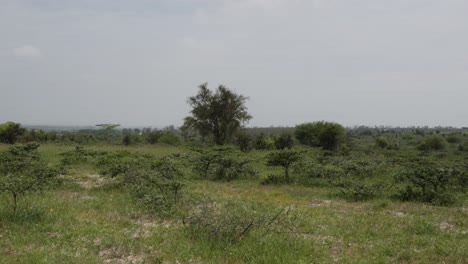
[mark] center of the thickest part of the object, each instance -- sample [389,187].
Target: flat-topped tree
[109,128]
[219,114]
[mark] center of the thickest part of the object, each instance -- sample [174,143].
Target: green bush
[432,182]
[263,142]
[244,141]
[283,141]
[159,188]
[10,132]
[23,171]
[355,190]
[275,179]
[433,142]
[169,139]
[284,158]
[381,142]
[323,134]
[221,163]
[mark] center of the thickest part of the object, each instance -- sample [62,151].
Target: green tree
[10,132]
[219,114]
[22,171]
[284,158]
[327,135]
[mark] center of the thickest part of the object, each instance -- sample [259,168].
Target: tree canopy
[327,135]
[218,114]
[10,132]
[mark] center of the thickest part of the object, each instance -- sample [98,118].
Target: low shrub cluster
[224,164]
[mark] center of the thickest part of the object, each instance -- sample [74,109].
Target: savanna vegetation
[214,191]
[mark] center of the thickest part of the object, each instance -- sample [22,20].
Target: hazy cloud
[27,51]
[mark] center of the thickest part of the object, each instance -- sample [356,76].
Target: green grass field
[91,218]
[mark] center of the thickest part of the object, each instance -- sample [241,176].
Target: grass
[93,219]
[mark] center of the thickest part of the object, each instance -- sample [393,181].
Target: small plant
[22,171]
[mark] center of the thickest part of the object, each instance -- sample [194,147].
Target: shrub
[381,142]
[463,146]
[153,137]
[10,132]
[275,179]
[159,188]
[244,141]
[263,142]
[79,155]
[284,158]
[283,141]
[323,134]
[453,139]
[359,191]
[221,164]
[22,171]
[169,139]
[431,182]
[230,222]
[433,142]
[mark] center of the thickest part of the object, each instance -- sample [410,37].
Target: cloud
[27,51]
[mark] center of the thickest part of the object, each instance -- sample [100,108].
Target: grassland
[91,218]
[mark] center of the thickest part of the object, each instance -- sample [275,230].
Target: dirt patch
[445,226]
[147,227]
[91,181]
[319,203]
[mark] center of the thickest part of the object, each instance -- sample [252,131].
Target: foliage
[432,182]
[245,141]
[433,142]
[356,190]
[10,132]
[263,142]
[381,142]
[275,179]
[283,141]
[159,188]
[221,164]
[153,137]
[22,171]
[169,138]
[323,134]
[127,140]
[219,114]
[284,158]
[79,155]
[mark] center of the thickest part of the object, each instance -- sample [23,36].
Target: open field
[92,218]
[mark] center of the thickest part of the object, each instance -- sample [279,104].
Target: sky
[135,63]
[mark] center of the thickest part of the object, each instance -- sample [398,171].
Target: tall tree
[218,114]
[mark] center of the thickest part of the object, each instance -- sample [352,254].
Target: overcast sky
[135,62]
